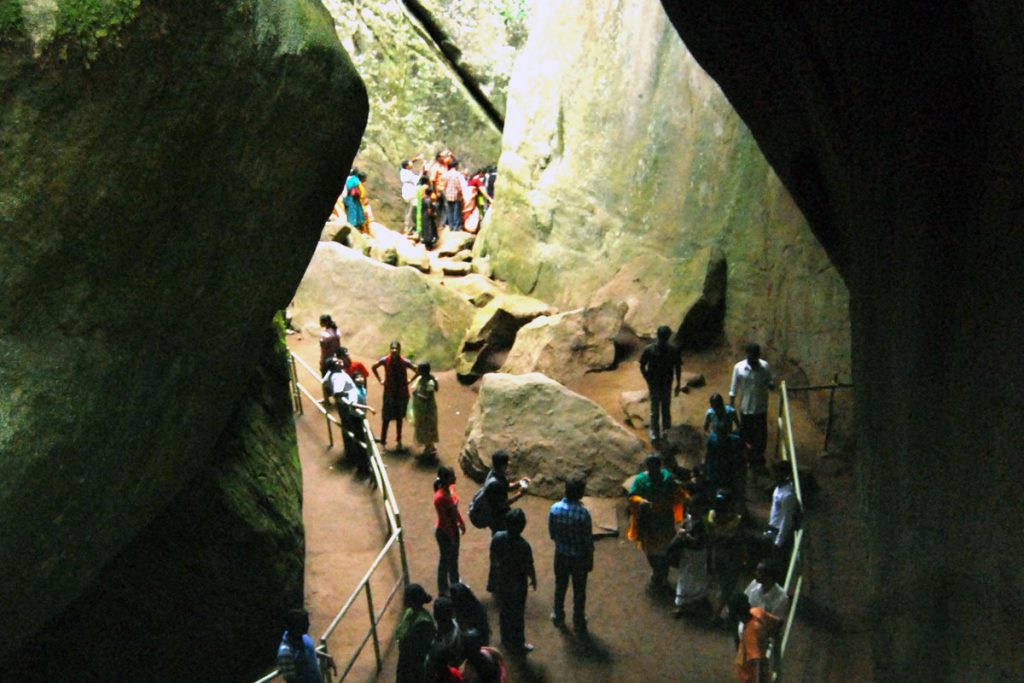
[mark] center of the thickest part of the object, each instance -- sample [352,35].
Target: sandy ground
[633,635]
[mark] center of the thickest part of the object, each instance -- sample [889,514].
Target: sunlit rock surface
[623,164]
[417,102]
[551,433]
[166,170]
[374,303]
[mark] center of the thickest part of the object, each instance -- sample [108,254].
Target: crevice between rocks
[451,54]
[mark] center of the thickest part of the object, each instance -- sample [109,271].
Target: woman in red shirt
[449,525]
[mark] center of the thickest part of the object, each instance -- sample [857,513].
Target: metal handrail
[787,452]
[396,536]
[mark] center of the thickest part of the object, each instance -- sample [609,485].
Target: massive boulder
[374,303]
[897,128]
[551,433]
[166,170]
[438,71]
[476,289]
[493,332]
[632,177]
[568,345]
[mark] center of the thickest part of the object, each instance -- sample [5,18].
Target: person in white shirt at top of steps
[752,380]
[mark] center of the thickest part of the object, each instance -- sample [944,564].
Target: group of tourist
[458,634]
[443,193]
[693,520]
[345,380]
[697,520]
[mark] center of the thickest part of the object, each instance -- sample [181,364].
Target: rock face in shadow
[630,170]
[221,563]
[374,303]
[897,130]
[167,168]
[551,433]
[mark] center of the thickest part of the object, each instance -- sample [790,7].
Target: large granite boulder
[166,170]
[551,433]
[439,72]
[493,332]
[642,214]
[374,303]
[475,288]
[568,345]
[897,128]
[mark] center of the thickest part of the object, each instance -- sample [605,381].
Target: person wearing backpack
[499,495]
[448,528]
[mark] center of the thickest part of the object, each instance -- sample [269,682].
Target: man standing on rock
[752,379]
[454,190]
[571,529]
[658,363]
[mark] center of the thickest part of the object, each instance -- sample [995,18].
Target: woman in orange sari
[656,506]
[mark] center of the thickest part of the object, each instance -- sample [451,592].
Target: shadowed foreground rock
[166,169]
[897,128]
[551,433]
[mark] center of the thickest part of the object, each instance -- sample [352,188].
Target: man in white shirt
[346,397]
[752,380]
[765,592]
[409,179]
[782,519]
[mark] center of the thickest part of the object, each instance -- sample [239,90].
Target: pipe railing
[396,537]
[787,453]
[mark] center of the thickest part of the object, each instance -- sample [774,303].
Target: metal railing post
[296,396]
[373,627]
[401,549]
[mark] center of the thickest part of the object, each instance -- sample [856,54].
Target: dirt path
[633,636]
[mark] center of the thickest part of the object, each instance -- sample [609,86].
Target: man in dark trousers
[658,363]
[512,564]
[571,529]
[500,496]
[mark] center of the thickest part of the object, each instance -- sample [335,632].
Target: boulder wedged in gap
[567,345]
[493,332]
[475,288]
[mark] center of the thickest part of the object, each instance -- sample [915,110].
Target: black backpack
[480,508]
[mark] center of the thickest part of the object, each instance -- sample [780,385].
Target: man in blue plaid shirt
[572,531]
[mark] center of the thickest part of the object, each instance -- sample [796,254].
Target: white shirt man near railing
[783,518]
[752,380]
[346,397]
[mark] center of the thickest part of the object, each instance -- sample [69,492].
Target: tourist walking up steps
[659,362]
[454,191]
[512,562]
[570,527]
[409,179]
[449,527]
[353,200]
[396,391]
[752,380]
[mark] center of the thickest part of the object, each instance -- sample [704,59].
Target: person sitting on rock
[396,390]
[658,363]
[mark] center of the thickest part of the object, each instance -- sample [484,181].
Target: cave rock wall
[166,169]
[623,166]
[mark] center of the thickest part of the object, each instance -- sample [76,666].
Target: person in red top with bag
[396,390]
[448,528]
